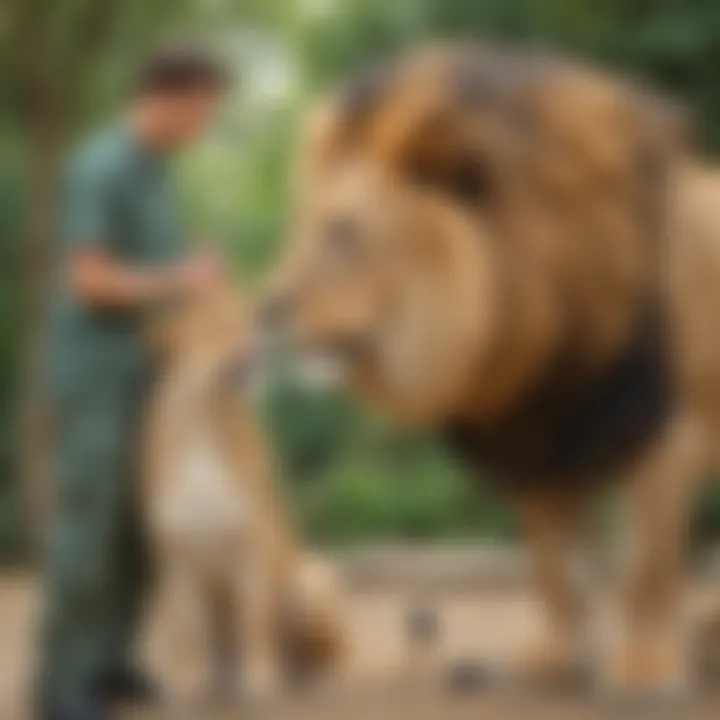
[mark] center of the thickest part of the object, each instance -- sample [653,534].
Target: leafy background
[351,476]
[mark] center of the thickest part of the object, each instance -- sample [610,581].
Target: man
[122,251]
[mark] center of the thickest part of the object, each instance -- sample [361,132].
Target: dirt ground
[379,682]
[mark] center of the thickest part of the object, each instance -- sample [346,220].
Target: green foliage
[310,430]
[350,475]
[388,485]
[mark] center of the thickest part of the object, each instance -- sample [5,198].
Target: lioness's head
[467,215]
[204,341]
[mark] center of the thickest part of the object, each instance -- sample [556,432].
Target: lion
[245,605]
[521,253]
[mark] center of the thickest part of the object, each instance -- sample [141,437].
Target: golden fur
[238,586]
[484,236]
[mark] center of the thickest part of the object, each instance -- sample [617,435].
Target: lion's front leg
[260,673]
[182,628]
[649,653]
[558,655]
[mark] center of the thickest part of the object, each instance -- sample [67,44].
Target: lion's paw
[554,665]
[649,676]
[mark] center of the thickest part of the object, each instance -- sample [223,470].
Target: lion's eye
[342,237]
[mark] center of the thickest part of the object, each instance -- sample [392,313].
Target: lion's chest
[203,504]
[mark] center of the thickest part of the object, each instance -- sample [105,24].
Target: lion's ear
[321,142]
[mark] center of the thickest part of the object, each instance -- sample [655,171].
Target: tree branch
[92,31]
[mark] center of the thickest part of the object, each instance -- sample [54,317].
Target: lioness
[243,600]
[520,252]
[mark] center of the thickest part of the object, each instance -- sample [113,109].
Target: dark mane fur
[572,428]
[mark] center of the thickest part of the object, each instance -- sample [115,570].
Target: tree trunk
[45,150]
[51,92]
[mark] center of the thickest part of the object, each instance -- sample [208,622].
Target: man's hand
[198,274]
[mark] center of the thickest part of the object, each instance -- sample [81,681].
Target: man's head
[177,93]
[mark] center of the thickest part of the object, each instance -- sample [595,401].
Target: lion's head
[469,215]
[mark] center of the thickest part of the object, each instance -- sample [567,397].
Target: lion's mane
[570,169]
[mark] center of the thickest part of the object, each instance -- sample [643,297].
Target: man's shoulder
[101,157]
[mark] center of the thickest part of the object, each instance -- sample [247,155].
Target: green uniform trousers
[97,557]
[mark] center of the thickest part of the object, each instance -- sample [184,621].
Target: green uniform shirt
[117,195]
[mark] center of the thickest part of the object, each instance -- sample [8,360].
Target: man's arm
[102,282]
[96,276]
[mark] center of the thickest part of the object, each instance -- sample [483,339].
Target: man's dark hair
[180,69]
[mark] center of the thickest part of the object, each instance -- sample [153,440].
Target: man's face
[183,117]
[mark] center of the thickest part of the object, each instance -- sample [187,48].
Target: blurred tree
[42,91]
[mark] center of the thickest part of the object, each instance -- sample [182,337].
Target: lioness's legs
[224,638]
[554,530]
[650,652]
[183,627]
[257,639]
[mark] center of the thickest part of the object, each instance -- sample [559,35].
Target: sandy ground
[377,683]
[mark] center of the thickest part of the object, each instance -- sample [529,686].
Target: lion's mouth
[319,370]
[316,360]
[325,365]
